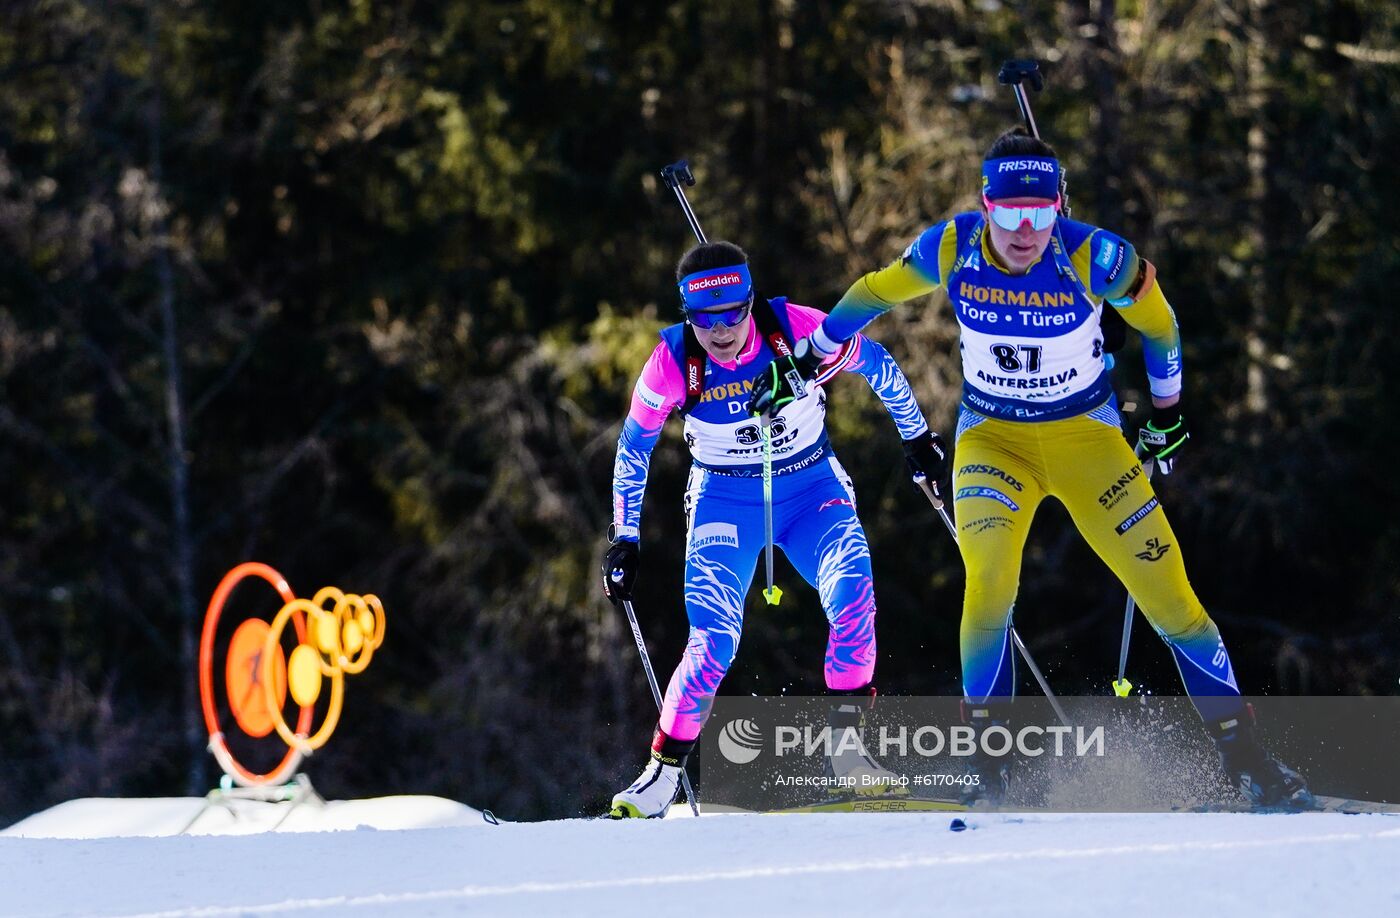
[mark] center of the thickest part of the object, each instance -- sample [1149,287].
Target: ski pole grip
[673,175]
[922,482]
[1013,72]
[677,172]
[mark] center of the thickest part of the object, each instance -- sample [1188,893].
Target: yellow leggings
[1002,471]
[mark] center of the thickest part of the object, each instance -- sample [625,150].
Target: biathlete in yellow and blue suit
[1039,418]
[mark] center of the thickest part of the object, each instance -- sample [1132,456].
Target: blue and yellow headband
[1021,177]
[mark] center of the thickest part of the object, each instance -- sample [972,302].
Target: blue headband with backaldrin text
[1021,177]
[716,286]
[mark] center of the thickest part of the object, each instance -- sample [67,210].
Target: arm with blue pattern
[888,382]
[1128,283]
[659,389]
[871,360]
[913,274]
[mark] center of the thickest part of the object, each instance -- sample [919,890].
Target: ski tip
[1121,687]
[957,825]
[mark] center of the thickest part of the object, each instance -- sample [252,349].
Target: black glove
[785,379]
[927,457]
[1164,436]
[620,570]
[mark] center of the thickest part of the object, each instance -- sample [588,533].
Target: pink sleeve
[659,389]
[806,320]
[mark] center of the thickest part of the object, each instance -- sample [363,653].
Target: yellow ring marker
[304,675]
[327,636]
[352,637]
[354,625]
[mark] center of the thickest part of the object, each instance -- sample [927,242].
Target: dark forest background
[360,289]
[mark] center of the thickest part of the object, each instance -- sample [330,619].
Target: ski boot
[848,762]
[987,777]
[651,795]
[1263,779]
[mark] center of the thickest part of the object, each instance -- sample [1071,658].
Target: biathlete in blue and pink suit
[703,367]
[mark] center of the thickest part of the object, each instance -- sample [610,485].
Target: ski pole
[651,680]
[675,174]
[773,594]
[1013,74]
[1035,671]
[922,482]
[1121,686]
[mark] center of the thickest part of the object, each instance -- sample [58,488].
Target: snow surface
[1084,864]
[107,817]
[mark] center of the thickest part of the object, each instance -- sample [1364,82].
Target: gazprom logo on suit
[715,534]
